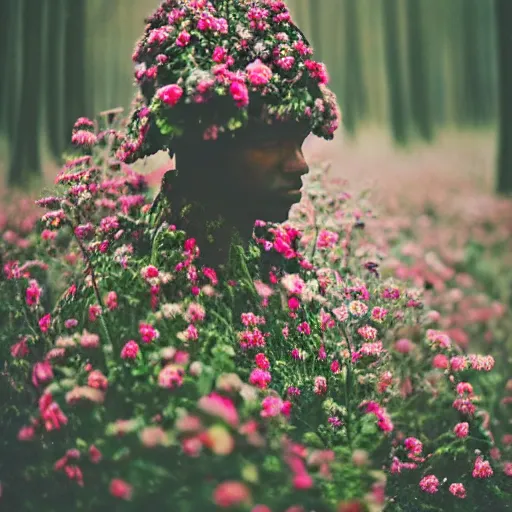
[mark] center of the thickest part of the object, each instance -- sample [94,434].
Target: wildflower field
[355,358]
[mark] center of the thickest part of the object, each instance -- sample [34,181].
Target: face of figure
[258,174]
[265,170]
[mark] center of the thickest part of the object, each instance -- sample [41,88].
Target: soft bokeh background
[418,82]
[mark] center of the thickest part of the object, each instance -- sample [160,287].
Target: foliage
[300,375]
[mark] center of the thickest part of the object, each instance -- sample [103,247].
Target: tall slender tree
[6,8]
[474,95]
[25,147]
[316,26]
[75,70]
[397,108]
[504,22]
[354,104]
[11,79]
[56,122]
[417,67]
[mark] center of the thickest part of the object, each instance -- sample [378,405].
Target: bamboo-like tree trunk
[396,88]
[12,83]
[504,22]
[473,89]
[316,26]
[74,71]
[25,149]
[6,8]
[421,113]
[354,87]
[57,124]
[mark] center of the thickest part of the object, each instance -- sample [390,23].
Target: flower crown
[205,68]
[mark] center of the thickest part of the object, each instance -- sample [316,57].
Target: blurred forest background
[411,67]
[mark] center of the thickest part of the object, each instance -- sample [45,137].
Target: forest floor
[457,165]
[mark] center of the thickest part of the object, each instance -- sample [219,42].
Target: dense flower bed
[304,376]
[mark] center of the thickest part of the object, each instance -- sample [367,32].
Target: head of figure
[231,89]
[257,174]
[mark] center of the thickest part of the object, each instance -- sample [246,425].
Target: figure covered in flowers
[231,88]
[172,365]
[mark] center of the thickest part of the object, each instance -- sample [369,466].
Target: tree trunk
[11,84]
[6,8]
[473,94]
[74,91]
[354,90]
[25,151]
[316,27]
[56,122]
[396,87]
[418,71]
[504,22]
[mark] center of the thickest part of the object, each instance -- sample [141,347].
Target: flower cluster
[279,384]
[217,65]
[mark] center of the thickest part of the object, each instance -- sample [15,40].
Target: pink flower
[464,406]
[20,349]
[250,319]
[230,494]
[440,361]
[51,413]
[258,73]
[121,489]
[404,346]
[170,94]
[482,468]
[262,361]
[464,388]
[33,293]
[302,481]
[458,363]
[42,373]
[219,55]
[149,272]
[461,429]
[148,333]
[183,39]
[70,323]
[304,328]
[413,445]
[130,350]
[217,405]
[320,385]
[272,406]
[367,332]
[327,239]
[94,312]
[260,378]
[95,455]
[97,380]
[89,340]
[293,303]
[171,377]
[239,93]
[335,366]
[341,313]
[195,313]
[83,138]
[111,301]
[26,433]
[45,322]
[429,484]
[458,490]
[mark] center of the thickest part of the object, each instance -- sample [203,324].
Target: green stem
[109,347]
[348,391]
